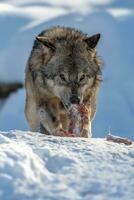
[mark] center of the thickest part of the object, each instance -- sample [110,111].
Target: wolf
[63,68]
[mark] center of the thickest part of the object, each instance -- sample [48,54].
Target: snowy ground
[37,167]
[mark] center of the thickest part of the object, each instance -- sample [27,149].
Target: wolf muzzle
[74,99]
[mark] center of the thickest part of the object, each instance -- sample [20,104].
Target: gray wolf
[63,69]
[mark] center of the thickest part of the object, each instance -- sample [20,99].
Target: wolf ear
[46,42]
[93,40]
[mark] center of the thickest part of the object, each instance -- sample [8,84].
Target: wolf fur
[63,62]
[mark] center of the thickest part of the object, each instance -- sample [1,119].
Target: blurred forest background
[22,20]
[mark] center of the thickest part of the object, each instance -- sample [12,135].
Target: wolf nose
[74,99]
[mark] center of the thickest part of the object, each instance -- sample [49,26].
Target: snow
[12,114]
[35,167]
[38,14]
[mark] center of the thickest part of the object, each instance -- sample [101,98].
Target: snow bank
[36,167]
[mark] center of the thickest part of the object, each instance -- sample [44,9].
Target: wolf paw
[59,132]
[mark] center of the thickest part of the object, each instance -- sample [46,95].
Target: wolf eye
[62,77]
[82,77]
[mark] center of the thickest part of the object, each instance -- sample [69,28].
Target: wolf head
[72,66]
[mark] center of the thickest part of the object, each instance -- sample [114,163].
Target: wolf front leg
[50,122]
[86,132]
[86,124]
[31,112]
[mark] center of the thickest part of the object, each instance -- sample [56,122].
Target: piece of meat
[117,139]
[77,114]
